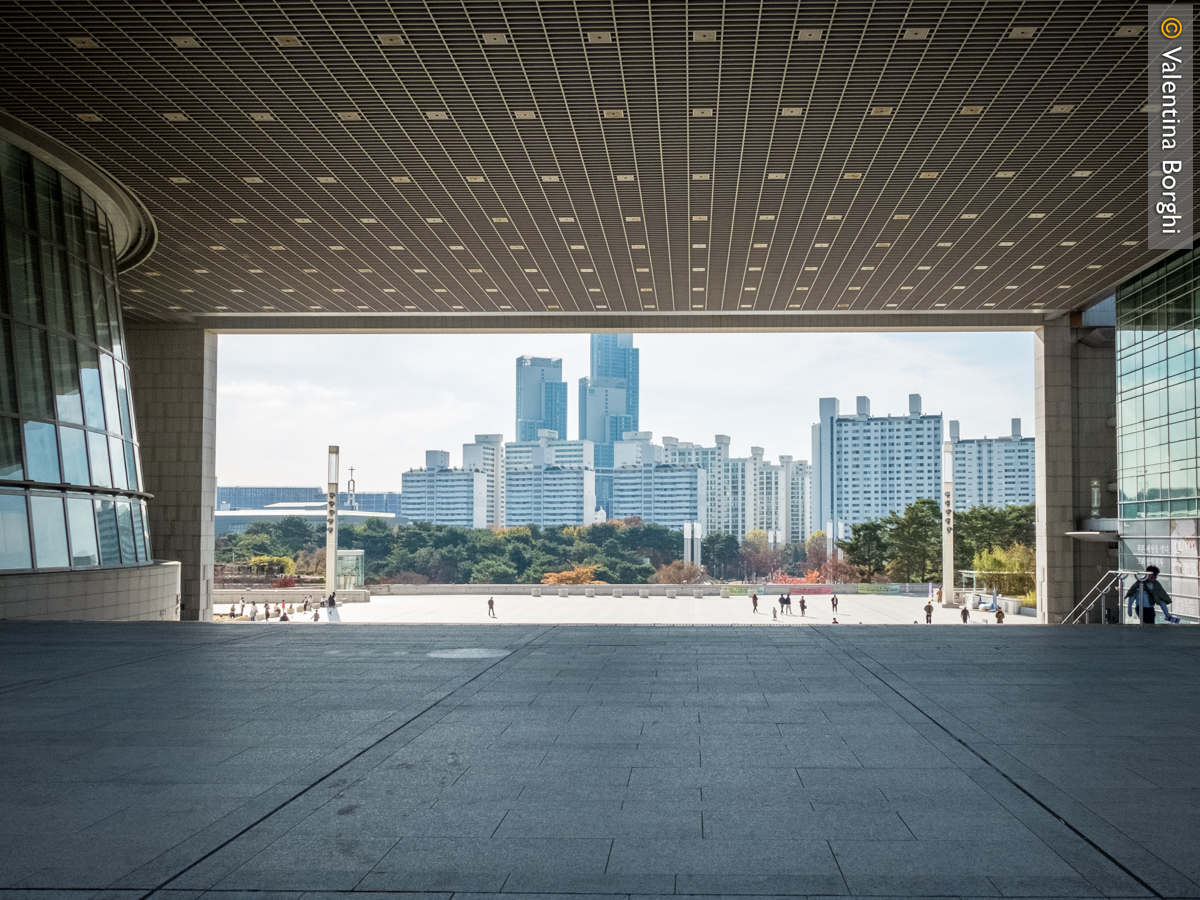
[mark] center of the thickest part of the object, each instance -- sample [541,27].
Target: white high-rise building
[661,494]
[739,506]
[783,499]
[549,482]
[993,471]
[712,461]
[444,496]
[866,467]
[637,448]
[486,455]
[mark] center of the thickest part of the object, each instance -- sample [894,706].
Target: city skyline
[366,392]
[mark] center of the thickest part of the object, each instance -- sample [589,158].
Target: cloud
[385,399]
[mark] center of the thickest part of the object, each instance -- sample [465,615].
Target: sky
[386,399]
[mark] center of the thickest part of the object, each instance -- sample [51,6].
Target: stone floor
[453,762]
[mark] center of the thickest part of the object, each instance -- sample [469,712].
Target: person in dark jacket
[1146,593]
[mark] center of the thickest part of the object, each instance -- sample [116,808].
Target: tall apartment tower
[486,455]
[549,482]
[865,467]
[993,471]
[608,402]
[712,460]
[783,493]
[541,398]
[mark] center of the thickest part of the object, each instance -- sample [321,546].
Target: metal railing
[1113,578]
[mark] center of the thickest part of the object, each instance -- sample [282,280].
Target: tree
[1007,569]
[984,528]
[756,539]
[678,572]
[916,540]
[815,551]
[838,571]
[493,570]
[868,548]
[577,575]
[720,552]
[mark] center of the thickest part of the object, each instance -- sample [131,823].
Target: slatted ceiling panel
[639,236]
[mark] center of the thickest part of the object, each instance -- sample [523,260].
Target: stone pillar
[1054,455]
[174,375]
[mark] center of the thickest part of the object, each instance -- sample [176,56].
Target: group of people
[784,607]
[283,612]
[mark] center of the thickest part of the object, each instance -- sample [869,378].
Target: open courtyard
[456,762]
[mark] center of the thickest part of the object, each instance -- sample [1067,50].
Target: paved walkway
[857,609]
[457,762]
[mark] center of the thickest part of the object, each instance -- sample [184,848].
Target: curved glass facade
[70,474]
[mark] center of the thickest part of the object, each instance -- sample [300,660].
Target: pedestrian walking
[928,612]
[803,606]
[754,603]
[833,602]
[243,612]
[1145,593]
[492,607]
[316,614]
[232,610]
[773,616]
[966,614]
[999,616]
[253,612]
[333,600]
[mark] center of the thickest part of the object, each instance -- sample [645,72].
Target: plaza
[454,762]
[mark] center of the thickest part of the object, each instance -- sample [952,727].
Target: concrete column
[174,385]
[1075,392]
[1054,454]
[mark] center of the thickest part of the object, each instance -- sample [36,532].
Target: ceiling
[495,161]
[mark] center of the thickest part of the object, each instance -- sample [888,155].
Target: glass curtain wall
[1158,314]
[70,475]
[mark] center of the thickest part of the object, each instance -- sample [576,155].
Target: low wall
[134,593]
[222,598]
[634,590]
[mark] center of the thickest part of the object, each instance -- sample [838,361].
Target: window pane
[98,451]
[112,415]
[131,468]
[65,368]
[17,175]
[125,526]
[33,372]
[49,201]
[41,451]
[106,259]
[25,278]
[49,532]
[58,307]
[8,378]
[99,308]
[14,533]
[114,319]
[146,530]
[74,455]
[80,284]
[106,525]
[91,230]
[81,517]
[116,456]
[11,466]
[139,532]
[123,401]
[89,373]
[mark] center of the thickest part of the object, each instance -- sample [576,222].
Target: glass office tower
[71,490]
[1158,468]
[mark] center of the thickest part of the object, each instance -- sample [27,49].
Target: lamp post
[948,524]
[331,500]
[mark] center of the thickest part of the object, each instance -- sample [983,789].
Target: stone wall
[135,593]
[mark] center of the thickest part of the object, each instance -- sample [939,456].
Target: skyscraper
[541,398]
[608,402]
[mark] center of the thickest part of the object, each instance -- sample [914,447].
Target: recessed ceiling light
[551,178]
[174,307]
[1037,267]
[699,218]
[701,176]
[437,115]
[776,176]
[326,179]
[852,175]
[577,246]
[365,271]
[1129,243]
[1062,108]
[702,112]
[566,219]
[1104,215]
[809,34]
[362,307]
[1094,266]
[350,116]
[811,268]
[531,270]
[505,306]
[746,306]
[867,269]
[697,306]
[633,218]
[236,291]
[180,179]
[1006,243]
[310,271]
[439,290]
[87,117]
[928,175]
[336,247]
[302,221]
[881,110]
[369,221]
[491,290]
[391,40]
[924,268]
[1128,31]
[1037,215]
[1006,173]
[314,307]
[884,244]
[1010,287]
[434,220]
[698,290]
[457,247]
[820,246]
[939,304]
[1063,287]
[759,246]
[699,246]
[500,219]
[981,267]
[238,221]
[396,247]
[766,218]
[893,305]
[287,40]
[494,38]
[135,291]
[802,288]
[900,217]
[276,247]
[614,113]
[915,34]
[599,37]
[337,290]
[175,116]
[1081,173]
[945,243]
[84,43]
[410,307]
[972,110]
[637,246]
[1068,244]
[516,246]
[792,111]
[288,290]
[217,247]
[969,216]
[906,287]
[854,288]
[1023,33]
[404,179]
[255,271]
[252,179]
[420,271]
[704,36]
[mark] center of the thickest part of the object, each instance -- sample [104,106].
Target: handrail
[1106,583]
